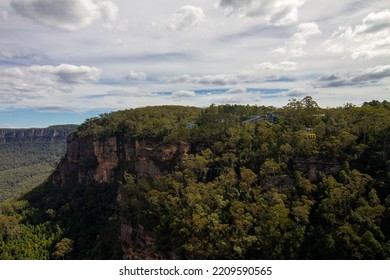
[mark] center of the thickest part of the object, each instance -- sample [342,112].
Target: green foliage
[20,238]
[25,165]
[242,196]
[246,190]
[63,248]
[169,122]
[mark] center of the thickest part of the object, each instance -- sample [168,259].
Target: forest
[26,165]
[29,156]
[310,183]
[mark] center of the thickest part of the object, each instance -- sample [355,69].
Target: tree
[63,248]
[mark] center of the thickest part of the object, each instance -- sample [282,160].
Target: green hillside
[222,182]
[27,162]
[26,165]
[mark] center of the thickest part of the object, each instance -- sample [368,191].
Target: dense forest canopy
[309,183]
[29,156]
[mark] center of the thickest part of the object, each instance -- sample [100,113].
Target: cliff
[49,134]
[95,160]
[143,184]
[92,161]
[28,157]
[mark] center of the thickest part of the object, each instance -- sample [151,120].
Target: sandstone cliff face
[97,160]
[49,134]
[89,160]
[311,166]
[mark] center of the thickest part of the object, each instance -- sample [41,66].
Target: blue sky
[64,61]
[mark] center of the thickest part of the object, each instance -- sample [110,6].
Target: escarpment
[94,160]
[49,134]
[172,182]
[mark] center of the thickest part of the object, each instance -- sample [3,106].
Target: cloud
[217,79]
[183,93]
[362,78]
[135,76]
[367,40]
[236,95]
[37,81]
[68,15]
[66,73]
[237,91]
[108,11]
[277,12]
[3,13]
[282,66]
[298,92]
[125,93]
[185,17]
[293,47]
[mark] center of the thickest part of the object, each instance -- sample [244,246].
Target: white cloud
[217,79]
[68,15]
[293,47]
[236,96]
[282,66]
[277,12]
[108,10]
[40,81]
[66,73]
[3,14]
[136,76]
[366,77]
[5,52]
[185,17]
[367,40]
[127,93]
[237,90]
[183,93]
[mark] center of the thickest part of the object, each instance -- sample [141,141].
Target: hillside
[223,182]
[29,156]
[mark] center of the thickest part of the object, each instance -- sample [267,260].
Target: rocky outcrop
[49,134]
[311,166]
[91,161]
[95,160]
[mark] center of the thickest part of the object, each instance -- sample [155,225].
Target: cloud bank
[185,17]
[67,15]
[37,81]
[293,47]
[135,76]
[363,78]
[277,12]
[367,40]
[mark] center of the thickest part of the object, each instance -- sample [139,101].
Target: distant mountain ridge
[50,134]
[29,155]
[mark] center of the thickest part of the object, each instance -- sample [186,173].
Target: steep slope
[49,134]
[177,182]
[28,156]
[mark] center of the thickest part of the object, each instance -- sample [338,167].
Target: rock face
[95,160]
[311,166]
[49,134]
[90,161]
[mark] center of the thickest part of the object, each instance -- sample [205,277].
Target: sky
[62,61]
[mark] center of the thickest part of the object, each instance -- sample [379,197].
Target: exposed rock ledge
[97,160]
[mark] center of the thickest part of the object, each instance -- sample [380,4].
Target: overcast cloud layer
[100,55]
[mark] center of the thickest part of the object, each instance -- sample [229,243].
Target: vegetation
[26,165]
[248,189]
[28,157]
